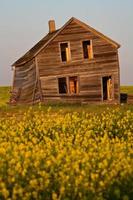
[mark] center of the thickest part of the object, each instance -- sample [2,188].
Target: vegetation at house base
[4,95]
[6,109]
[67,156]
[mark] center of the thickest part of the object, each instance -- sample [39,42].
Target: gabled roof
[50,36]
[30,54]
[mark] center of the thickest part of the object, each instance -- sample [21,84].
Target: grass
[4,95]
[6,110]
[127,89]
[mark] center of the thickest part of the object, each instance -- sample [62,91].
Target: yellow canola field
[73,156]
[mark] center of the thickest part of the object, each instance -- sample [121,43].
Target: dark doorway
[107,88]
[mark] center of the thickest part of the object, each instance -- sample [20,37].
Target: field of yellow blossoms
[71,156]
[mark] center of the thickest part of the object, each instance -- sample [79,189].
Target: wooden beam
[34,89]
[38,78]
[14,74]
[118,75]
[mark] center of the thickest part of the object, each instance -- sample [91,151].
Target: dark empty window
[73,85]
[65,52]
[87,49]
[62,85]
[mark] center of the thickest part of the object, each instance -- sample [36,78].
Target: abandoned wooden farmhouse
[74,64]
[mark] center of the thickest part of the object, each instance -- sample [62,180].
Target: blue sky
[25,22]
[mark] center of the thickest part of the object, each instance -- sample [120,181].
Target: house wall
[24,82]
[90,72]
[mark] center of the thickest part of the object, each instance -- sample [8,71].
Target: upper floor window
[87,49]
[65,52]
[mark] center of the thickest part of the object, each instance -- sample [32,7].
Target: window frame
[77,77]
[69,47]
[68,85]
[59,87]
[91,44]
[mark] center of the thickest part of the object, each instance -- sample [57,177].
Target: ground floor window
[62,83]
[68,85]
[73,85]
[107,87]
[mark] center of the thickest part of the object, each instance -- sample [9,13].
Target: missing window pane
[87,49]
[73,85]
[62,85]
[65,52]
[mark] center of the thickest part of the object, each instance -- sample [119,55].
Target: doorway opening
[107,87]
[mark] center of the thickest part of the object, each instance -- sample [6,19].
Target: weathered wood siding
[130,99]
[90,72]
[24,80]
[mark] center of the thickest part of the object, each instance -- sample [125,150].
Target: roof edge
[62,28]
[97,33]
[84,25]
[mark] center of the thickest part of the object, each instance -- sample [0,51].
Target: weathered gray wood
[25,81]
[130,99]
[90,72]
[38,78]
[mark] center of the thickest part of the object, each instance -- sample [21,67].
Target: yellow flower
[54,196]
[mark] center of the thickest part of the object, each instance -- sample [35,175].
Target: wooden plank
[43,73]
